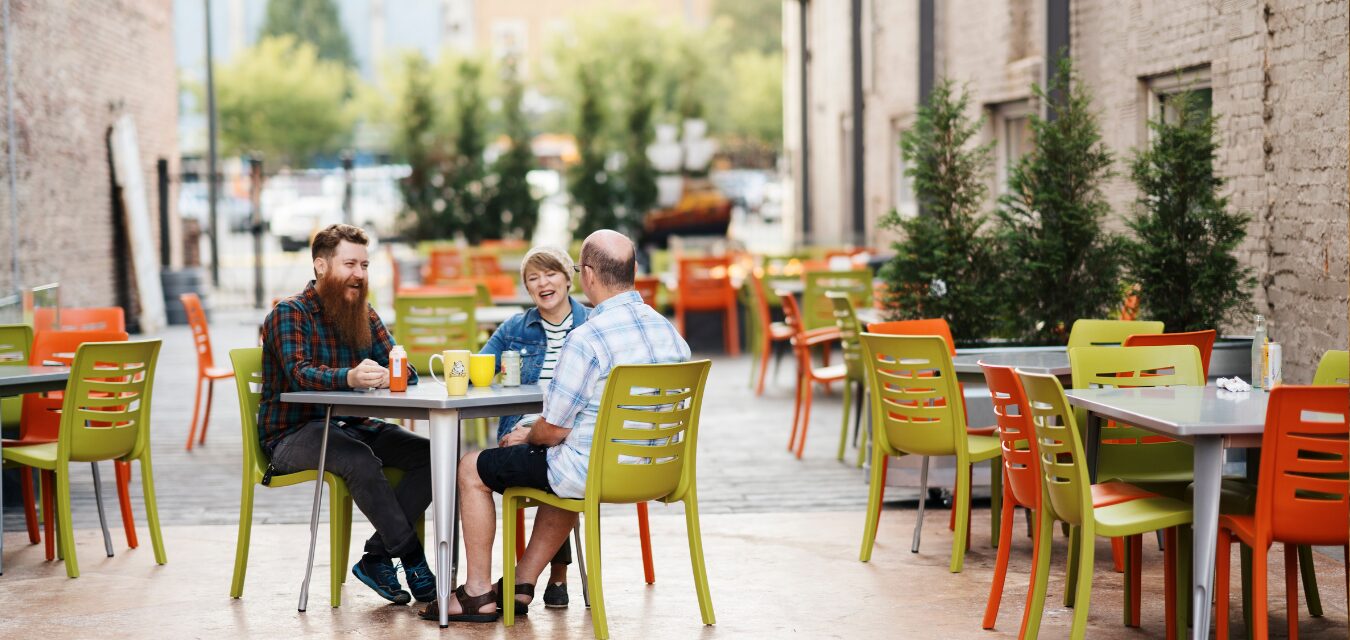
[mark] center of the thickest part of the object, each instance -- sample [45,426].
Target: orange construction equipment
[207,370]
[705,285]
[1301,497]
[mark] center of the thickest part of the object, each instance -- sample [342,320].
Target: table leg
[314,512]
[1092,444]
[444,501]
[2,493]
[1208,475]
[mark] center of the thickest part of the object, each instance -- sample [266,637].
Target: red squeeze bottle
[398,369]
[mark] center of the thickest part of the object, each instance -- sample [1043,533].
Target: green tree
[1060,264]
[312,21]
[755,25]
[511,200]
[639,178]
[943,266]
[466,191]
[588,181]
[754,129]
[281,99]
[1182,254]
[425,216]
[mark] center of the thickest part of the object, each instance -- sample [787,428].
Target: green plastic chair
[248,382]
[428,324]
[917,409]
[1087,333]
[1066,496]
[666,400]
[1129,454]
[105,415]
[1334,368]
[15,342]
[817,310]
[855,384]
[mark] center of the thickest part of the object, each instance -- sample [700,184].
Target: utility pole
[347,181]
[255,175]
[212,185]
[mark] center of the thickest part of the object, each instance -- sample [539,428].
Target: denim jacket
[524,332]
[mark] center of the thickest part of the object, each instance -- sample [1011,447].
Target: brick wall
[78,66]
[1283,132]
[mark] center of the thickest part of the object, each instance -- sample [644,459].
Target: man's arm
[543,434]
[287,332]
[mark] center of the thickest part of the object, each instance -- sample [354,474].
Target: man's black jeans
[357,456]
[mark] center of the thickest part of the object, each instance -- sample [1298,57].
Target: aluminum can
[1274,373]
[510,368]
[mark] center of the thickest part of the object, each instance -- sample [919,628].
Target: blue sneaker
[379,574]
[420,580]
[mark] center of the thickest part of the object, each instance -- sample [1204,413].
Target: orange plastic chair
[444,264]
[807,373]
[1203,340]
[770,333]
[41,424]
[80,319]
[484,264]
[705,285]
[1302,496]
[499,285]
[206,366]
[1021,488]
[647,286]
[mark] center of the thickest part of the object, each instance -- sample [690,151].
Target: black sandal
[522,589]
[468,606]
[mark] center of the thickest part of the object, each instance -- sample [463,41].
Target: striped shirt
[621,330]
[555,334]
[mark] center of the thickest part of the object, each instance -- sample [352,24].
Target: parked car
[232,212]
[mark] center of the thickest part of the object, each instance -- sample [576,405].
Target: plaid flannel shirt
[301,352]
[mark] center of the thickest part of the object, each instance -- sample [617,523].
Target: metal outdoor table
[16,381]
[1210,419]
[424,401]
[1043,360]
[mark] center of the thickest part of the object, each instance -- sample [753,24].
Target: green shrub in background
[944,267]
[511,201]
[1060,265]
[1182,254]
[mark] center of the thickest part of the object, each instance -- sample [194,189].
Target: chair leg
[843,428]
[1222,561]
[1071,569]
[1305,566]
[206,411]
[731,324]
[645,536]
[151,507]
[764,352]
[337,562]
[1170,586]
[520,533]
[578,545]
[122,470]
[346,530]
[874,512]
[196,409]
[996,497]
[1260,621]
[923,496]
[962,538]
[1136,580]
[1291,588]
[49,512]
[242,539]
[1040,574]
[1080,609]
[1000,562]
[705,607]
[29,504]
[65,537]
[796,410]
[598,621]
[808,391]
[858,411]
[1118,554]
[98,502]
[511,528]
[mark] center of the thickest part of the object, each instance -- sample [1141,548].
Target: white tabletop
[1179,411]
[428,394]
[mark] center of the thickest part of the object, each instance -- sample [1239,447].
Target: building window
[903,199]
[1012,135]
[1161,92]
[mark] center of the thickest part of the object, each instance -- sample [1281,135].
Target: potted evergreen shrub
[1181,257]
[944,266]
[1059,264]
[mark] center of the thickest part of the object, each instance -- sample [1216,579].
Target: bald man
[552,454]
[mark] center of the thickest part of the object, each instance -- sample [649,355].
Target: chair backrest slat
[914,393]
[248,384]
[80,319]
[105,410]
[427,325]
[1202,340]
[16,341]
[42,411]
[817,310]
[1334,368]
[1059,447]
[846,319]
[201,333]
[920,327]
[1016,438]
[1086,332]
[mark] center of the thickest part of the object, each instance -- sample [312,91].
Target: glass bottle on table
[398,369]
[1258,352]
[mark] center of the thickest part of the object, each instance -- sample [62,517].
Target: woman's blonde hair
[547,258]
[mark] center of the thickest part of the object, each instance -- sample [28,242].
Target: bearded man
[329,338]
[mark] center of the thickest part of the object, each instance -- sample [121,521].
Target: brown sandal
[468,606]
[522,589]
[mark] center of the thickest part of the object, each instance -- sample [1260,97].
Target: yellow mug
[455,365]
[482,369]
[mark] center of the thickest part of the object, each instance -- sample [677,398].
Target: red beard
[346,314]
